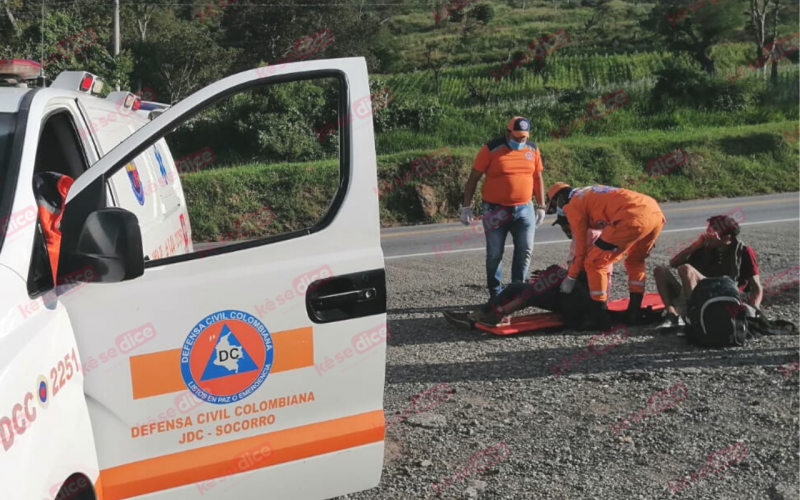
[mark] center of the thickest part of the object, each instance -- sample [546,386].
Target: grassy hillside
[732,161]
[732,130]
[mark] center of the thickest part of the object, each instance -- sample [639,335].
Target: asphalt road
[418,241]
[560,435]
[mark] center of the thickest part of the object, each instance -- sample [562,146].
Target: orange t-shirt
[511,175]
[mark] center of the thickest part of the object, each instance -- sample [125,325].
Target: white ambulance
[149,185]
[150,370]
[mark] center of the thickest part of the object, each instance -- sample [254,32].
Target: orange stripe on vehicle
[159,373]
[98,488]
[202,464]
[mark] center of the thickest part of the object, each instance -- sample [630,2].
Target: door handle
[348,296]
[337,300]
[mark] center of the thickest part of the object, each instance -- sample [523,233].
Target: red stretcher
[541,321]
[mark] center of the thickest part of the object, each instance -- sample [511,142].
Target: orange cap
[519,126]
[552,192]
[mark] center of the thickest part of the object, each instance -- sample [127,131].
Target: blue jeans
[498,221]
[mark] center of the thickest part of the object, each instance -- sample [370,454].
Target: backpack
[717,314]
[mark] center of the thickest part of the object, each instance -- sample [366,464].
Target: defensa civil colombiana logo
[226,357]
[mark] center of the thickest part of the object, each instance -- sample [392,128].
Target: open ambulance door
[195,387]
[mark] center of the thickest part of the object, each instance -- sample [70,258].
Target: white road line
[481,249]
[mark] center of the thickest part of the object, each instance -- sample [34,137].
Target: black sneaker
[459,320]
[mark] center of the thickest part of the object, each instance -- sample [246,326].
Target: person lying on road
[541,292]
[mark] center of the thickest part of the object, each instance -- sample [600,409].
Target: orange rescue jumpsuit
[51,190]
[631,223]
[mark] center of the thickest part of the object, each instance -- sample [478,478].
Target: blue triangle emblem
[228,357]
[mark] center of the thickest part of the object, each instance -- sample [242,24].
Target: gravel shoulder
[557,430]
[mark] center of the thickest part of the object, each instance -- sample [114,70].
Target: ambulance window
[58,154]
[261,164]
[7,126]
[59,149]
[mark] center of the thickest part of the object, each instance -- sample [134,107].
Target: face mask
[515,145]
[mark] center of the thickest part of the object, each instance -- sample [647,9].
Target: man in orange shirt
[631,222]
[513,169]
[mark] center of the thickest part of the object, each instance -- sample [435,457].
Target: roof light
[136,104]
[21,69]
[80,81]
[86,83]
[129,100]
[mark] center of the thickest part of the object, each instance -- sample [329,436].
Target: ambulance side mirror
[108,249]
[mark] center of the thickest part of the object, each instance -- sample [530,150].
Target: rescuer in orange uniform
[51,190]
[631,223]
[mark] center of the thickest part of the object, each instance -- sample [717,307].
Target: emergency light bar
[152,106]
[19,69]
[80,81]
[125,99]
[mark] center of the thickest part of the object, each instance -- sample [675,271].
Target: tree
[483,13]
[440,11]
[69,45]
[697,29]
[268,32]
[468,28]
[481,92]
[774,56]
[601,13]
[184,59]
[6,4]
[437,57]
[757,27]
[142,12]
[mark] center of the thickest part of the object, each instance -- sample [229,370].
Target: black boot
[633,315]
[599,317]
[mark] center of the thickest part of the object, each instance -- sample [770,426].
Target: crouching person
[717,252]
[630,222]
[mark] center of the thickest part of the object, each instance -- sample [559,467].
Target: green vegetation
[693,81]
[297,194]
[734,161]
